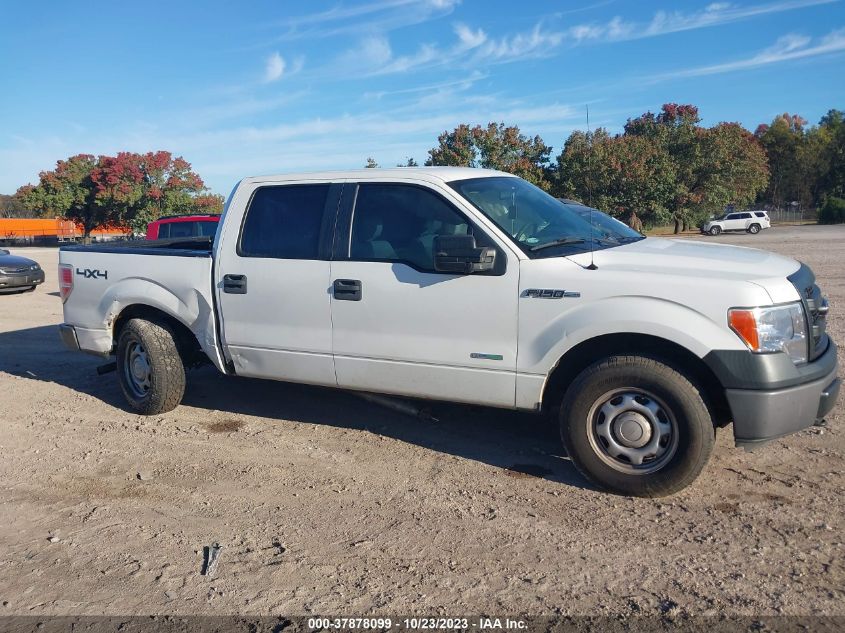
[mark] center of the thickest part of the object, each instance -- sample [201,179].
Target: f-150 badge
[548,293]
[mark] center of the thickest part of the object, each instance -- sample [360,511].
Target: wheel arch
[186,341]
[587,352]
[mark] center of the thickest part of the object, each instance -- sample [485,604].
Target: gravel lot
[328,504]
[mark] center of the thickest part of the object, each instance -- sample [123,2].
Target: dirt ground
[324,503]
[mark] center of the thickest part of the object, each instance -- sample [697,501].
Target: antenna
[592,265]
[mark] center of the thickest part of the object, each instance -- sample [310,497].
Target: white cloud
[372,52]
[534,43]
[664,22]
[380,16]
[787,48]
[469,38]
[426,54]
[274,68]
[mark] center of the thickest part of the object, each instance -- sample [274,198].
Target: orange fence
[37,230]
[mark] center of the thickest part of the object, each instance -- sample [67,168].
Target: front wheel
[149,367]
[636,426]
[754,229]
[715,230]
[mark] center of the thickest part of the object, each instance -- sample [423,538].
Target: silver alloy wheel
[632,431]
[137,369]
[754,228]
[715,230]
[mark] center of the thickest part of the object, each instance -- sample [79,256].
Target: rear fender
[194,312]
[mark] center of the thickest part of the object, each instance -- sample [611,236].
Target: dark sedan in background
[18,273]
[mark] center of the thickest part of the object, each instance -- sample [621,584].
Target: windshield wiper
[560,242]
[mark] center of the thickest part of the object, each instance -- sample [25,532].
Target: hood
[693,259]
[13,261]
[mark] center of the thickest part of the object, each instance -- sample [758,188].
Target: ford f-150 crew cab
[473,286]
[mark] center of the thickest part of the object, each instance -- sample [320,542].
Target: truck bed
[173,276]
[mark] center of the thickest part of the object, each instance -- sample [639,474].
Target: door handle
[347,289]
[234,284]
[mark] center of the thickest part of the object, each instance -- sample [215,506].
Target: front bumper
[761,416]
[769,399]
[9,281]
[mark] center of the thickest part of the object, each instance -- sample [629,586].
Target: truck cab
[472,286]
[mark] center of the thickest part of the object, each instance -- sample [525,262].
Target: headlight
[774,329]
[34,267]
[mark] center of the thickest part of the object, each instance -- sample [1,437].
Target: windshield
[542,226]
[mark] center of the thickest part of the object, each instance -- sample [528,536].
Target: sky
[242,88]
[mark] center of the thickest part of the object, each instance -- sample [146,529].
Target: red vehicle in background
[170,226]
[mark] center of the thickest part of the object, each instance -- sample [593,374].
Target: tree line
[666,167]
[126,190]
[662,168]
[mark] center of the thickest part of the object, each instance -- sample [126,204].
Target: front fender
[540,351]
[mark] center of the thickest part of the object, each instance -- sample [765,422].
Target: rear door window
[284,222]
[163,230]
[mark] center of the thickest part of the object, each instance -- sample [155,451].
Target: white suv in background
[750,221]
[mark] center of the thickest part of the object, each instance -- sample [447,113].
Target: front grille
[815,307]
[14,271]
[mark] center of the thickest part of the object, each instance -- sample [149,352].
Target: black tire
[159,382]
[30,289]
[754,229]
[715,230]
[585,429]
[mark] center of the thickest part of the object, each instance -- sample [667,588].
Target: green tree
[495,146]
[454,149]
[782,140]
[69,192]
[832,212]
[143,187]
[12,207]
[712,166]
[211,203]
[371,163]
[624,175]
[733,170]
[832,177]
[676,129]
[124,190]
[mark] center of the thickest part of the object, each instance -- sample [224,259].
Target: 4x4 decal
[92,273]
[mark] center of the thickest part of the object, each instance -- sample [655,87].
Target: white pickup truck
[473,286]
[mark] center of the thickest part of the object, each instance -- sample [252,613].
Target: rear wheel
[149,367]
[754,229]
[636,426]
[715,230]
